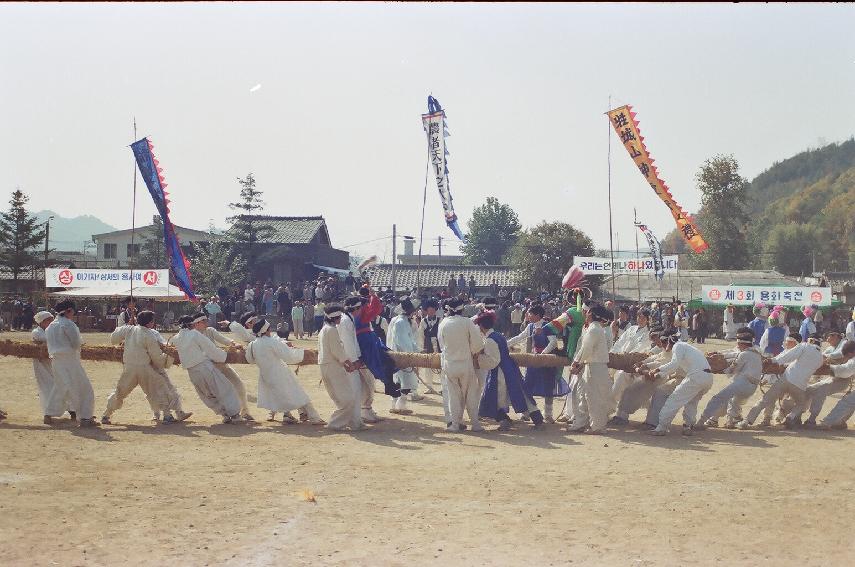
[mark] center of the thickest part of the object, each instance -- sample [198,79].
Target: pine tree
[20,235]
[248,227]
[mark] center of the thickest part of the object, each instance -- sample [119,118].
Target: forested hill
[803,211]
[789,177]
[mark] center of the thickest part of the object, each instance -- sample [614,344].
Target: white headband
[199,319]
[263,329]
[456,309]
[251,321]
[42,315]
[334,314]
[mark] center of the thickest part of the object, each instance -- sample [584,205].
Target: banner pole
[611,232]
[133,216]
[637,270]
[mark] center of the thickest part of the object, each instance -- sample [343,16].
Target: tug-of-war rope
[626,362]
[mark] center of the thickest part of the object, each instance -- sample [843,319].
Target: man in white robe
[401,338]
[338,374]
[747,370]
[347,333]
[634,339]
[278,389]
[688,393]
[41,367]
[198,354]
[816,393]
[73,389]
[843,410]
[144,365]
[459,340]
[802,361]
[229,372]
[594,400]
[729,323]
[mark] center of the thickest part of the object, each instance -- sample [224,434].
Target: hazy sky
[335,128]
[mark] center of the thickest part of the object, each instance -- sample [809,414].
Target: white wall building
[114,248]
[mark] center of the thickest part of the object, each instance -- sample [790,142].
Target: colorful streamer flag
[435,128]
[655,251]
[626,126]
[153,177]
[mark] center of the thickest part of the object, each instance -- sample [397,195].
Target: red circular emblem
[150,278]
[715,294]
[65,277]
[816,297]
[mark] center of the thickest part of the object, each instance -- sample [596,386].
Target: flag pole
[611,232]
[637,270]
[422,229]
[133,216]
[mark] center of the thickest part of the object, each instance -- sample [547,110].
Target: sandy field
[406,492]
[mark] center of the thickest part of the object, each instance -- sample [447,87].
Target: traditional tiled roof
[292,230]
[838,279]
[686,284]
[437,276]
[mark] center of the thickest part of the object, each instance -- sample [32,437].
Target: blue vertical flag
[153,177]
[435,128]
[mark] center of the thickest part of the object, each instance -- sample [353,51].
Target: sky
[335,130]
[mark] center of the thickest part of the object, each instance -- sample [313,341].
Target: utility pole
[394,258]
[439,245]
[47,240]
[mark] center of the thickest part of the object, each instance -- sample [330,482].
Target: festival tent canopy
[170,294]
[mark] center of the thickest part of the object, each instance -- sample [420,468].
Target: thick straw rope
[626,362]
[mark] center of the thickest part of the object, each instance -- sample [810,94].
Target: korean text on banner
[626,126]
[751,294]
[435,128]
[603,266]
[79,277]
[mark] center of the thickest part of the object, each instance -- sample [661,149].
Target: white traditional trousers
[622,381]
[134,375]
[44,380]
[636,396]
[214,389]
[237,384]
[594,400]
[816,393]
[462,385]
[730,399]
[345,390]
[366,378]
[842,411]
[686,396]
[72,384]
[772,395]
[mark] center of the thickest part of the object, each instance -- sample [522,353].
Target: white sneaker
[743,425]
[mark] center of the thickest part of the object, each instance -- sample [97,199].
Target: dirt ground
[406,492]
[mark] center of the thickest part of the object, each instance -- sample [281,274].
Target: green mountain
[803,211]
[69,234]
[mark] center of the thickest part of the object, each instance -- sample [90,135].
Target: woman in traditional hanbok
[278,389]
[547,383]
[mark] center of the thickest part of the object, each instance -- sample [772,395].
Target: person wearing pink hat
[808,327]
